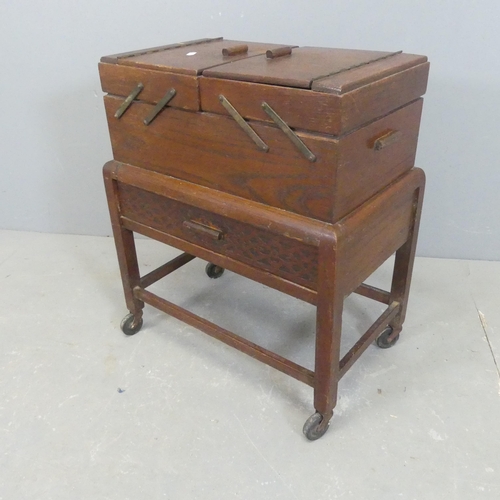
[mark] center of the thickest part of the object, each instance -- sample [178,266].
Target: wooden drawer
[212,150]
[279,255]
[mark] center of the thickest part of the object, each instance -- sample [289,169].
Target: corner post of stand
[125,244]
[330,302]
[405,258]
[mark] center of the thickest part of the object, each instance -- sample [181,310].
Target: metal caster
[130,325]
[214,271]
[315,427]
[383,339]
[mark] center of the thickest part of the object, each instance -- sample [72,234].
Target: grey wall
[53,137]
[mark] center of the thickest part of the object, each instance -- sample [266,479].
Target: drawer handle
[243,124]
[201,228]
[161,104]
[128,101]
[387,139]
[288,132]
[235,50]
[279,52]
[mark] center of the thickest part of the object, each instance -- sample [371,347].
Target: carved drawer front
[217,152]
[286,257]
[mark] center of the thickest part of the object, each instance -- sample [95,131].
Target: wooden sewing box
[291,166]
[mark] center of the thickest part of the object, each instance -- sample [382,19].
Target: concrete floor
[86,412]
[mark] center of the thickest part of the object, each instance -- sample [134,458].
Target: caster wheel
[313,429]
[214,271]
[382,340]
[130,326]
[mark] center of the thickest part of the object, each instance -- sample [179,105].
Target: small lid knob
[280,51]
[234,50]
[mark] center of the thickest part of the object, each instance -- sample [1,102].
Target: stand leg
[403,268]
[328,331]
[129,269]
[127,257]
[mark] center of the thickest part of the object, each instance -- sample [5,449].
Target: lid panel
[299,69]
[354,78]
[113,58]
[194,58]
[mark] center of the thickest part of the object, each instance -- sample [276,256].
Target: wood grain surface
[212,150]
[318,111]
[192,60]
[299,69]
[238,240]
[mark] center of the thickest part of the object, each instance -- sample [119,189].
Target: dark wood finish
[371,334]
[328,328]
[235,50]
[166,269]
[387,139]
[300,108]
[211,232]
[375,214]
[347,81]
[329,113]
[125,245]
[213,151]
[374,293]
[375,234]
[193,60]
[251,272]
[338,243]
[363,170]
[121,80]
[405,256]
[304,65]
[201,182]
[262,216]
[114,57]
[222,235]
[282,51]
[381,97]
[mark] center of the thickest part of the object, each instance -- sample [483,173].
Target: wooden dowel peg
[279,52]
[234,50]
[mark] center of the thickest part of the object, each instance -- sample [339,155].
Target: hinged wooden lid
[320,69]
[191,58]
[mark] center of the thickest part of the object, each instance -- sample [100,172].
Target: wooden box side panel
[371,234]
[363,170]
[279,255]
[212,150]
[318,111]
[299,108]
[346,81]
[380,98]
[121,80]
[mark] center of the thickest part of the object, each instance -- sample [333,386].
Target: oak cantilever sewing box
[292,166]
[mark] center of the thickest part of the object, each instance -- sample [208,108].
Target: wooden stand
[312,260]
